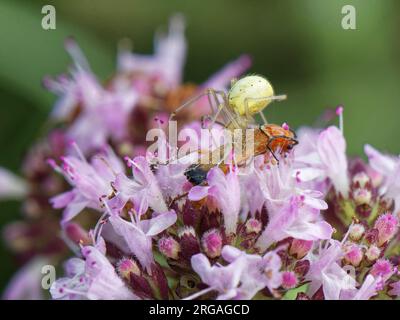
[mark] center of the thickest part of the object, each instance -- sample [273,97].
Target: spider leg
[214,118]
[210,102]
[216,113]
[264,119]
[225,155]
[266,99]
[231,116]
[270,98]
[208,117]
[191,101]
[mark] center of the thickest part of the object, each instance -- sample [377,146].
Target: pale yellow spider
[247,97]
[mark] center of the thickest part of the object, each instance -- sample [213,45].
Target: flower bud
[361,179]
[371,236]
[300,248]
[362,196]
[169,247]
[126,266]
[159,281]
[77,234]
[190,215]
[373,253]
[289,280]
[302,267]
[383,268]
[353,254]
[302,296]
[253,226]
[356,231]
[186,231]
[188,242]
[387,226]
[212,243]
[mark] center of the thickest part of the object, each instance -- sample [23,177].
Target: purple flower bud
[300,248]
[160,282]
[77,234]
[372,235]
[126,266]
[383,268]
[253,226]
[169,247]
[373,253]
[353,254]
[356,231]
[190,216]
[289,280]
[211,243]
[302,296]
[188,242]
[302,267]
[186,231]
[387,226]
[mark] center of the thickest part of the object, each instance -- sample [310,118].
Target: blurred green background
[298,44]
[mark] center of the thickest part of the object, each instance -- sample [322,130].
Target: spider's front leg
[211,95]
[260,112]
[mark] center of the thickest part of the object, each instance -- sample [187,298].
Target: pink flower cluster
[316,225]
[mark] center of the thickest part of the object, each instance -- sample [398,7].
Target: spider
[247,97]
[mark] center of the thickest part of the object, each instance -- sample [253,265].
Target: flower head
[143,190]
[373,253]
[326,271]
[169,247]
[212,243]
[91,182]
[126,266]
[289,280]
[296,220]
[327,160]
[243,277]
[382,268]
[93,278]
[137,235]
[353,254]
[387,226]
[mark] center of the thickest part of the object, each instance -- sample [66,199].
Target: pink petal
[311,231]
[197,193]
[379,162]
[161,222]
[73,209]
[62,200]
